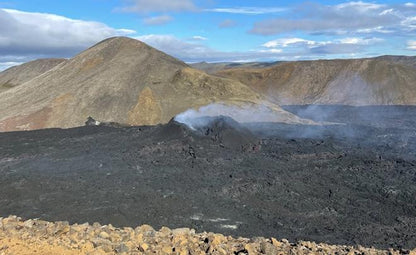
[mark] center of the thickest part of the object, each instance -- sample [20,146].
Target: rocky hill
[17,75]
[386,80]
[41,237]
[118,80]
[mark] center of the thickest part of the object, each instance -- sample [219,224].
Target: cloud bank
[342,19]
[247,10]
[282,48]
[411,45]
[158,20]
[310,47]
[149,6]
[28,35]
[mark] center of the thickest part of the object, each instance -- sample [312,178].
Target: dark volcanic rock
[91,122]
[227,132]
[221,130]
[331,188]
[174,130]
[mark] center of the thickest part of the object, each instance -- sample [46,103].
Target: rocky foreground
[42,237]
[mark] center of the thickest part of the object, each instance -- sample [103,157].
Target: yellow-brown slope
[120,80]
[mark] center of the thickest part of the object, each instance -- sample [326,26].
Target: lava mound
[221,130]
[173,130]
[226,132]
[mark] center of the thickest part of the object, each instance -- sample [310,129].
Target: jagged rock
[92,122]
[104,235]
[17,236]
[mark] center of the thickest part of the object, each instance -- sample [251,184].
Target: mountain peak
[117,40]
[120,43]
[118,80]
[119,50]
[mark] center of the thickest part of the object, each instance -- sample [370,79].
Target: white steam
[243,114]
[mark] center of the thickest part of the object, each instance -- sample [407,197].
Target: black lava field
[353,182]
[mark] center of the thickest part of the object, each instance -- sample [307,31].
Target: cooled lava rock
[334,188]
[229,133]
[223,130]
[92,122]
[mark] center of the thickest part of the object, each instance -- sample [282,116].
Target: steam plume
[243,114]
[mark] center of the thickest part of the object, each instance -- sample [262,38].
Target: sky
[210,30]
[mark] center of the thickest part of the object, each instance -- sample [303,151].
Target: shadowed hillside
[386,80]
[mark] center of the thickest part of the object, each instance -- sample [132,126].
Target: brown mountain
[119,80]
[386,80]
[17,75]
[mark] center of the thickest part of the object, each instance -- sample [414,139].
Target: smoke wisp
[247,113]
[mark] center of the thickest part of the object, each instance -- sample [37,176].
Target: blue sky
[210,30]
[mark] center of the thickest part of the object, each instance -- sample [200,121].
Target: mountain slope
[386,80]
[17,75]
[121,80]
[211,68]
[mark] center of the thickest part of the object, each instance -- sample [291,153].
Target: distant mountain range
[385,80]
[117,80]
[212,68]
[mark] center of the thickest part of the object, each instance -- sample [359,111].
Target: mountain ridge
[385,80]
[17,75]
[118,80]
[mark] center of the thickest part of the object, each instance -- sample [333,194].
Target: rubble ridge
[35,236]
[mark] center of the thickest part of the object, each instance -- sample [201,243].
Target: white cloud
[279,49]
[285,42]
[5,65]
[124,31]
[31,35]
[359,41]
[379,30]
[247,10]
[158,20]
[9,61]
[176,47]
[411,45]
[350,40]
[148,6]
[26,33]
[296,46]
[388,11]
[350,18]
[360,6]
[199,38]
[409,23]
[272,51]
[195,52]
